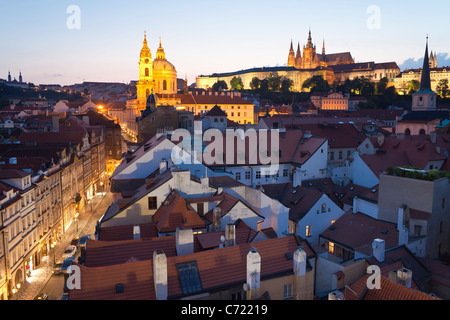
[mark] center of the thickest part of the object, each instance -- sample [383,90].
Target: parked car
[62,267]
[70,251]
[83,240]
[75,242]
[42,296]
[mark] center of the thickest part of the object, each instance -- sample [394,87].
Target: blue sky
[203,37]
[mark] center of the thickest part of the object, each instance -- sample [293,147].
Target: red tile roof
[230,263]
[176,212]
[389,290]
[300,200]
[357,231]
[120,233]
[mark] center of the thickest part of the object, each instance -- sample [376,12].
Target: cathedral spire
[323,48]
[425,82]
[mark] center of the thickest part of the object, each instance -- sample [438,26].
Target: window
[247,175]
[258,174]
[238,175]
[340,155]
[164,85]
[417,231]
[324,208]
[267,175]
[146,72]
[288,291]
[152,203]
[308,231]
[292,227]
[333,221]
[200,208]
[189,277]
[331,155]
[331,247]
[443,203]
[285,172]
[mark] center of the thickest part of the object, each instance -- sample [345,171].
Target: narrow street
[42,279]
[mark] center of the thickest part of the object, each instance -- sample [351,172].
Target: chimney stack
[230,235]
[55,123]
[160,274]
[336,295]
[184,241]
[300,262]
[136,232]
[217,216]
[253,274]
[162,166]
[378,247]
[402,276]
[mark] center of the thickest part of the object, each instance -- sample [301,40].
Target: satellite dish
[245,287]
[222,239]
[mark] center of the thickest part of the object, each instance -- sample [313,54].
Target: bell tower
[291,57]
[145,85]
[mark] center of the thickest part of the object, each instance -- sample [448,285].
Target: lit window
[308,231]
[331,247]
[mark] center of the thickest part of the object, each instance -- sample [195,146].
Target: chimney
[253,274]
[404,277]
[217,216]
[403,235]
[162,166]
[230,235]
[380,139]
[336,295]
[55,123]
[433,136]
[378,247]
[160,274]
[184,241]
[136,232]
[300,262]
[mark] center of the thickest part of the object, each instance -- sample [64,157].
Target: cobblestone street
[39,278]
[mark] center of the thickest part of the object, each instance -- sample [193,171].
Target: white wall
[366,207]
[361,173]
[318,222]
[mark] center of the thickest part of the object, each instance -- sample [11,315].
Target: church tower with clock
[145,84]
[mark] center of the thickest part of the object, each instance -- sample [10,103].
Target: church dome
[163,65]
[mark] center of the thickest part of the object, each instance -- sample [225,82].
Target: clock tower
[145,85]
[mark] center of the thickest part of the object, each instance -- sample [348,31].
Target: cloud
[442,58]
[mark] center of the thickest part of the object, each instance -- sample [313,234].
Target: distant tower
[145,84]
[425,98]
[20,77]
[298,57]
[310,59]
[9,76]
[433,60]
[291,58]
[323,48]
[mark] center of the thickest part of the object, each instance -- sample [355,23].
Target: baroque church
[156,77]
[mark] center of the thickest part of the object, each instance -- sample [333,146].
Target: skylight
[189,277]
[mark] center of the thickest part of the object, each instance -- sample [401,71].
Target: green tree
[286,85]
[274,82]
[413,86]
[442,88]
[255,84]
[264,86]
[219,85]
[316,84]
[236,83]
[382,85]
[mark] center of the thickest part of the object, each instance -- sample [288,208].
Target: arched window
[422,132]
[164,85]
[407,132]
[147,92]
[147,73]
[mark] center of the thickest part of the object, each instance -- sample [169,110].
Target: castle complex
[301,65]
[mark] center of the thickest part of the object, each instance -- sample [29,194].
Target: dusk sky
[203,37]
